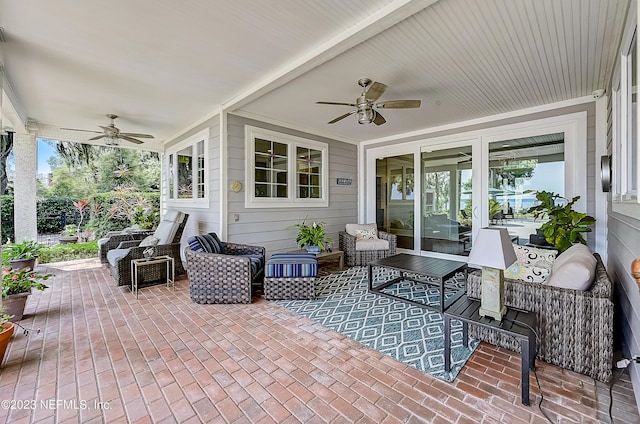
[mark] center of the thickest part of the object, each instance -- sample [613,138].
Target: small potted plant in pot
[23,254]
[6,331]
[312,237]
[69,234]
[17,285]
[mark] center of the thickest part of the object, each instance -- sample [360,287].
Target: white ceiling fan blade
[399,104]
[336,103]
[341,117]
[98,137]
[131,139]
[136,135]
[76,129]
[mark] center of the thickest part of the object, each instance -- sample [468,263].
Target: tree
[5,149]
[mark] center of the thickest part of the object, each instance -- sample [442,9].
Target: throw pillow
[532,274]
[366,234]
[531,256]
[211,243]
[149,241]
[574,269]
[194,244]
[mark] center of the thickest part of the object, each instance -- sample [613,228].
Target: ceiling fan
[113,134]
[365,108]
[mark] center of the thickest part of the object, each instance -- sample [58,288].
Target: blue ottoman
[290,276]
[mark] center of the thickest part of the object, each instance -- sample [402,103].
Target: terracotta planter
[5,336]
[21,263]
[14,305]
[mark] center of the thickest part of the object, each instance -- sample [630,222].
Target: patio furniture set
[566,326]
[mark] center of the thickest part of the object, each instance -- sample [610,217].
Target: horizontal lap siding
[268,226]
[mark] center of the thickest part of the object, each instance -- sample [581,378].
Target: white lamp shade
[492,248]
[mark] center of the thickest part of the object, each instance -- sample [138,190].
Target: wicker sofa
[575,327]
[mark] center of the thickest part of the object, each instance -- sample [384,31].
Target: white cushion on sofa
[352,229]
[372,244]
[574,269]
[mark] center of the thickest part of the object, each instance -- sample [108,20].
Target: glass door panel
[517,169]
[395,198]
[446,210]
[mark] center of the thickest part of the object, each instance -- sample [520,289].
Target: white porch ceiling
[163,65]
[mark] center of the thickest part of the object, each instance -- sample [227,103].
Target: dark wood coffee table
[439,269]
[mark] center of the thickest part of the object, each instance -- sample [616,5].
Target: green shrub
[8,230]
[68,252]
[50,210]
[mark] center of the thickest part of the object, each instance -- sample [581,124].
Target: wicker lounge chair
[225,278]
[114,238]
[168,233]
[355,255]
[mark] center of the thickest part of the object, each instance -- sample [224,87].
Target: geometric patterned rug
[407,333]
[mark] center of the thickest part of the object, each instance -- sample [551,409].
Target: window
[284,170]
[625,149]
[186,171]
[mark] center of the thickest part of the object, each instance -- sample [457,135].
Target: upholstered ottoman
[290,276]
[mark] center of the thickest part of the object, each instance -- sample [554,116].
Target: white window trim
[292,142]
[191,141]
[624,201]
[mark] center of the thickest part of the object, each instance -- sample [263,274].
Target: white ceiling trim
[13,115]
[410,136]
[383,19]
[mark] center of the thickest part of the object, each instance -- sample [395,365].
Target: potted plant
[69,234]
[81,205]
[17,285]
[312,237]
[565,226]
[6,331]
[23,254]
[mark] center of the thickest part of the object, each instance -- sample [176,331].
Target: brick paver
[103,356]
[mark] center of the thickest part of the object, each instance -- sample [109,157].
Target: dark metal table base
[440,269]
[518,324]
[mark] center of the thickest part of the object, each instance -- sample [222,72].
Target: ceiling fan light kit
[365,107]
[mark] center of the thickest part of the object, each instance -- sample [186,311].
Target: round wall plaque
[236,186]
[605,173]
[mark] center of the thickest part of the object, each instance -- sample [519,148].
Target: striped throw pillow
[211,243]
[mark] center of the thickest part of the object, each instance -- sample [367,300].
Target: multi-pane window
[186,170]
[284,170]
[271,168]
[309,173]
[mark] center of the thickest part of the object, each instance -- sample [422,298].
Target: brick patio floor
[103,356]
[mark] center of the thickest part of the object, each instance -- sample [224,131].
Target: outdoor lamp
[492,249]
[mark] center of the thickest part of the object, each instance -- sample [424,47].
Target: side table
[141,263]
[516,323]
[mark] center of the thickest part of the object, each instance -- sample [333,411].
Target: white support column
[25,150]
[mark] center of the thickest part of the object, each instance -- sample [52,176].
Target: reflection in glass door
[446,201]
[395,198]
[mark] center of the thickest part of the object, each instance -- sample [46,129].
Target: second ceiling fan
[365,106]
[113,134]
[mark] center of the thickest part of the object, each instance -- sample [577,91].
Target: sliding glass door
[446,206]
[395,195]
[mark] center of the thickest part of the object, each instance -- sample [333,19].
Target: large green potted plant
[23,254]
[17,285]
[565,226]
[312,237]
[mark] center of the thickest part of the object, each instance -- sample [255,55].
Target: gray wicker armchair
[225,278]
[114,238]
[354,255]
[169,233]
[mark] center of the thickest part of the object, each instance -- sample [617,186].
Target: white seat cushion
[372,244]
[168,227]
[114,255]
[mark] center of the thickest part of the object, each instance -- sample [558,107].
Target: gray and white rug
[407,333]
